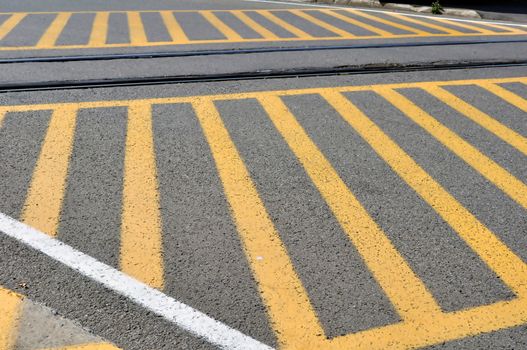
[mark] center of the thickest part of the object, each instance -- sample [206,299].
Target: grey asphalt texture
[206,266]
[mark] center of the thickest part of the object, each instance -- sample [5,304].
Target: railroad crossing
[361,211]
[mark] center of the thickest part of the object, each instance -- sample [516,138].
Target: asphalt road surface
[258,174]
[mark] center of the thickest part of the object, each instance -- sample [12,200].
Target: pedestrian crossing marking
[141,222]
[465,26]
[50,36]
[505,28]
[268,258]
[484,120]
[99,31]
[500,177]
[425,24]
[258,28]
[321,24]
[174,28]
[378,27]
[11,23]
[46,192]
[300,34]
[136,28]
[389,23]
[504,94]
[509,267]
[289,307]
[408,294]
[373,29]
[224,29]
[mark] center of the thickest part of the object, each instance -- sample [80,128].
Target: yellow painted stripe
[51,35]
[291,313]
[464,25]
[3,113]
[46,192]
[99,31]
[246,95]
[511,269]
[174,29]
[511,30]
[449,326]
[424,24]
[509,96]
[322,24]
[224,29]
[136,28]
[10,308]
[11,23]
[357,23]
[389,23]
[257,27]
[500,177]
[482,119]
[216,41]
[141,240]
[405,290]
[90,346]
[300,34]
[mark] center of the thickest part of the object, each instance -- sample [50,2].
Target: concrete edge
[395,6]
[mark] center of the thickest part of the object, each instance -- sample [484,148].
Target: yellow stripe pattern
[141,222]
[46,192]
[288,305]
[267,23]
[10,309]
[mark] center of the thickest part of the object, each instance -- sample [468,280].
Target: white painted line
[152,299]
[387,10]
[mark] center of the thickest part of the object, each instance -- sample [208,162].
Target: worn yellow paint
[389,23]
[136,28]
[10,23]
[46,192]
[424,24]
[53,32]
[224,29]
[291,313]
[257,27]
[99,31]
[509,96]
[482,119]
[89,346]
[464,25]
[357,23]
[141,240]
[10,308]
[406,291]
[174,29]
[500,177]
[300,34]
[321,23]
